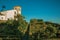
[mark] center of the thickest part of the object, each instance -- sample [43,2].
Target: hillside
[37,29]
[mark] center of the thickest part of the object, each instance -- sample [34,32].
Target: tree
[23,24]
[10,29]
[50,31]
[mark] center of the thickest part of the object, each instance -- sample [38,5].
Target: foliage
[51,31]
[23,24]
[41,30]
[21,29]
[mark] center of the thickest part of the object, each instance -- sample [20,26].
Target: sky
[48,10]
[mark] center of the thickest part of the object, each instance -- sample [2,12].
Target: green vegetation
[37,29]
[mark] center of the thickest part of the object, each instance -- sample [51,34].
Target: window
[15,13]
[8,18]
[2,18]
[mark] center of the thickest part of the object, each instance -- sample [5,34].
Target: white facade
[9,14]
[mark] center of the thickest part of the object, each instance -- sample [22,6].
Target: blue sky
[48,10]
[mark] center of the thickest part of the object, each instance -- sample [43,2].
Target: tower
[18,9]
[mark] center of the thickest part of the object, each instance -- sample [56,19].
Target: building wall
[8,15]
[18,9]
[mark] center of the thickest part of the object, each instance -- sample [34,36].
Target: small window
[14,12]
[1,17]
[8,18]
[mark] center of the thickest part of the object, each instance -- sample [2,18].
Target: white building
[10,14]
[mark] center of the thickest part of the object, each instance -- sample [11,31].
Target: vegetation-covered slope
[37,29]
